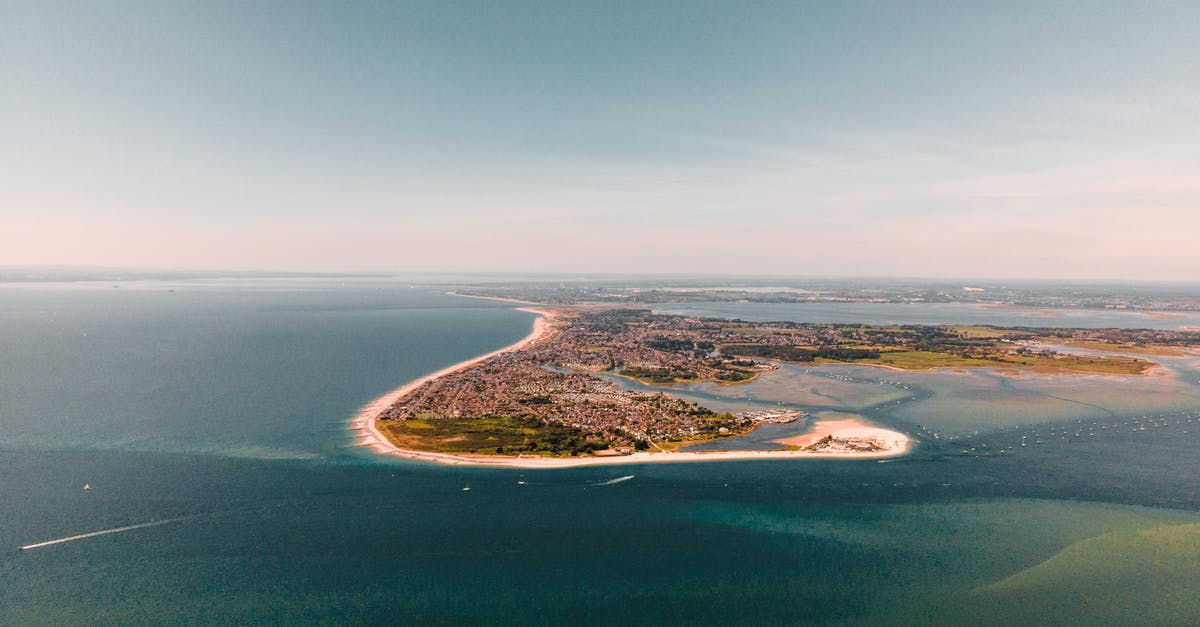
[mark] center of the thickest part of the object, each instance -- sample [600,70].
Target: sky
[920,139]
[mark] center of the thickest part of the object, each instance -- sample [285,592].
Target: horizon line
[199,273]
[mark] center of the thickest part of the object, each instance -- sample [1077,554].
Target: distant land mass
[553,394]
[1144,296]
[599,288]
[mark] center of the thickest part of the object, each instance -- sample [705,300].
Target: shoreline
[364,422]
[496,298]
[503,461]
[847,428]
[1065,312]
[369,435]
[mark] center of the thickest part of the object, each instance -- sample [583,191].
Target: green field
[982,332]
[491,435]
[927,360]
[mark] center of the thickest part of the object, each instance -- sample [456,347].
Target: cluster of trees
[555,445]
[734,375]
[553,438]
[845,354]
[658,375]
[793,353]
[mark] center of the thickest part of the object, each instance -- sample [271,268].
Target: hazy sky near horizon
[1041,139]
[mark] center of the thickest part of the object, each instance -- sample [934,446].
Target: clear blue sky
[1044,139]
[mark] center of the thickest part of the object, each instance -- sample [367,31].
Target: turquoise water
[221,409]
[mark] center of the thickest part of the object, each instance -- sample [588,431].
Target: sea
[208,420]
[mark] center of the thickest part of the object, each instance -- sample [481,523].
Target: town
[547,397]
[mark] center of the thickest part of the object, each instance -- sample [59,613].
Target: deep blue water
[222,408]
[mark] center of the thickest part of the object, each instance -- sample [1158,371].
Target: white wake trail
[617,480]
[102,532]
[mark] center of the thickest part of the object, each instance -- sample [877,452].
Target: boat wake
[615,481]
[102,532]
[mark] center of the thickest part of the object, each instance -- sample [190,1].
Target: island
[553,398]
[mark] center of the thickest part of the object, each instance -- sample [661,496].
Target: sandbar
[497,298]
[850,429]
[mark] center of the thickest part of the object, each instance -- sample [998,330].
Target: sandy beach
[846,428]
[496,298]
[634,458]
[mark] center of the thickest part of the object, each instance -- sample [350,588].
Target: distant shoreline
[1063,312]
[497,298]
[369,435]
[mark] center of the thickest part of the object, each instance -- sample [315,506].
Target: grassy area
[1138,349]
[1083,364]
[982,332]
[895,330]
[800,354]
[491,435]
[927,360]
[675,445]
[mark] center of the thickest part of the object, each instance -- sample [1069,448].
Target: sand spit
[496,298]
[848,429]
[364,422]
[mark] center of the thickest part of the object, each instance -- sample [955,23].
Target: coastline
[1064,312]
[502,461]
[364,422]
[496,298]
[846,428]
[369,435]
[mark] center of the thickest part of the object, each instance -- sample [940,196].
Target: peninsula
[552,399]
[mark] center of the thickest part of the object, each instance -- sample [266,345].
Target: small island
[551,399]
